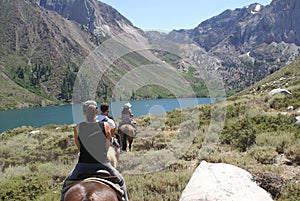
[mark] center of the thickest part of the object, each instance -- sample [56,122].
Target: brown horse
[91,191]
[127,133]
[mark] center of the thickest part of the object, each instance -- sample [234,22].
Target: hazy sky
[167,15]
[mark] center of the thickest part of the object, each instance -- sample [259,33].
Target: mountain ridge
[45,43]
[249,42]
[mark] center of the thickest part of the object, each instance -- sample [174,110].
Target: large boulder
[224,182]
[277,91]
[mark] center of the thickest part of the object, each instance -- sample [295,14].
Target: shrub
[293,153]
[173,118]
[235,158]
[279,140]
[290,192]
[20,130]
[23,188]
[191,153]
[164,185]
[205,113]
[264,155]
[235,110]
[240,135]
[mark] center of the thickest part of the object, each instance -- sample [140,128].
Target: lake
[69,114]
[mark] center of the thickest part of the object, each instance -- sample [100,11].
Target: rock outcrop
[100,18]
[224,182]
[277,91]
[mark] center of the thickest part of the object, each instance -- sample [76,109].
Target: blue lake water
[69,114]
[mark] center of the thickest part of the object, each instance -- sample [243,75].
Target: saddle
[101,176]
[114,186]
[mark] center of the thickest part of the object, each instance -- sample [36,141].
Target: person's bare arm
[130,113]
[108,134]
[76,138]
[112,132]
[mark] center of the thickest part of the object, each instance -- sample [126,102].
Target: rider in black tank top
[92,136]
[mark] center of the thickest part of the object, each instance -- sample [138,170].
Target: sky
[166,15]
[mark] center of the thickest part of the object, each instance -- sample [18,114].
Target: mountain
[100,18]
[39,48]
[42,51]
[248,27]
[249,43]
[45,43]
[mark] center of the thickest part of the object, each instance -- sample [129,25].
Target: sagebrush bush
[23,188]
[19,130]
[242,133]
[164,185]
[264,155]
[293,153]
[290,192]
[279,140]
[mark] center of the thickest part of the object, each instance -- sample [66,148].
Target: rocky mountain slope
[40,48]
[247,43]
[100,18]
[42,51]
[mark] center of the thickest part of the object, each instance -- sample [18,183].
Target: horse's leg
[130,140]
[123,140]
[118,138]
[124,147]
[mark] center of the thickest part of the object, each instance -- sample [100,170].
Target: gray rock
[224,182]
[276,91]
[298,121]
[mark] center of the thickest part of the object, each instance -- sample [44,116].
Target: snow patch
[257,9]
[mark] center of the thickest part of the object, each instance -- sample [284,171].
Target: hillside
[42,51]
[255,135]
[39,50]
[14,96]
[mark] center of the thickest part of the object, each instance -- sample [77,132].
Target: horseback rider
[92,141]
[127,116]
[104,117]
